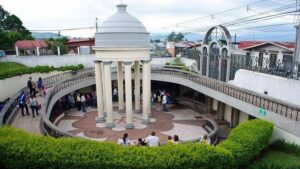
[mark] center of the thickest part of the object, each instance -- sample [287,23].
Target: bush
[281,145]
[246,141]
[22,150]
[37,69]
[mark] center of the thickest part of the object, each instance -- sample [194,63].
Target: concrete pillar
[221,109]
[137,87]
[108,95]
[99,90]
[209,101]
[78,50]
[58,50]
[207,63]
[128,95]
[120,87]
[17,51]
[228,67]
[219,67]
[146,91]
[235,117]
[37,51]
[103,87]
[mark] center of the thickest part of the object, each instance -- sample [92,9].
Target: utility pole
[96,24]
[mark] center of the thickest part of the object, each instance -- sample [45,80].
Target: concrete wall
[277,87]
[215,105]
[10,86]
[227,113]
[279,134]
[243,117]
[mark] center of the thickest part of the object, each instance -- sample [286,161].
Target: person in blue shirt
[23,104]
[40,86]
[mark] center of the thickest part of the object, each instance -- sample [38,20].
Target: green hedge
[246,141]
[23,150]
[37,69]
[281,145]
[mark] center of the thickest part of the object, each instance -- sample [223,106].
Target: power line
[65,29]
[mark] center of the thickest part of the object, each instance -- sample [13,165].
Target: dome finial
[121,7]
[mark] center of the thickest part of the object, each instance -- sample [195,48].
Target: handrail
[10,108]
[277,106]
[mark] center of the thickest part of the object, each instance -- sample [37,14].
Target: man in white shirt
[115,94]
[164,103]
[152,140]
[83,103]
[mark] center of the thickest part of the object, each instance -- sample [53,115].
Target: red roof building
[254,44]
[74,44]
[30,44]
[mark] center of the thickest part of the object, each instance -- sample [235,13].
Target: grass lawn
[6,66]
[274,159]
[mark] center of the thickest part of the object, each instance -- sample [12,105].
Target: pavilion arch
[216,37]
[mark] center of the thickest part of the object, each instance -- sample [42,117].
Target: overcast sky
[157,15]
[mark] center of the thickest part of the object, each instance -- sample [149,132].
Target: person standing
[78,102]
[83,103]
[115,94]
[176,139]
[40,86]
[153,140]
[33,105]
[164,103]
[29,85]
[23,104]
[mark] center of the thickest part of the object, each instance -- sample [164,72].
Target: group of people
[161,97]
[24,100]
[81,101]
[153,141]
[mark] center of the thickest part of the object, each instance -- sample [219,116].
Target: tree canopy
[175,37]
[11,30]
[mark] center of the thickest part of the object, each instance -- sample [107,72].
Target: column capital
[146,61]
[107,62]
[97,61]
[127,63]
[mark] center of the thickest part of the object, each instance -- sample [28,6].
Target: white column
[103,87]
[137,87]
[146,91]
[99,89]
[120,87]
[37,51]
[201,63]
[128,94]
[58,50]
[78,50]
[108,95]
[17,51]
[220,67]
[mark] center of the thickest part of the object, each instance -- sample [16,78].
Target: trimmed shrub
[246,141]
[23,150]
[281,145]
[37,69]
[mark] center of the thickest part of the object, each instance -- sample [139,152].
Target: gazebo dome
[122,30]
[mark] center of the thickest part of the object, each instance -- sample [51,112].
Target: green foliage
[246,141]
[11,30]
[281,145]
[267,166]
[22,150]
[54,43]
[173,37]
[7,73]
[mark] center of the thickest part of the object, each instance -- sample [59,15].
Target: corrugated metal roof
[30,44]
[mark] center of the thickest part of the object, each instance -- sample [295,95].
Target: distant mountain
[45,35]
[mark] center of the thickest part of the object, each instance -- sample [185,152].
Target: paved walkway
[28,123]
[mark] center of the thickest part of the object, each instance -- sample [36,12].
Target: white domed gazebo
[123,39]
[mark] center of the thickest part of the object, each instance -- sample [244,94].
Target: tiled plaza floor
[182,122]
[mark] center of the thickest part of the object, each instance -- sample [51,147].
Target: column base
[138,111]
[110,125]
[129,126]
[146,121]
[105,114]
[100,120]
[122,111]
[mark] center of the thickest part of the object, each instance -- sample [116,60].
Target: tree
[13,23]
[173,37]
